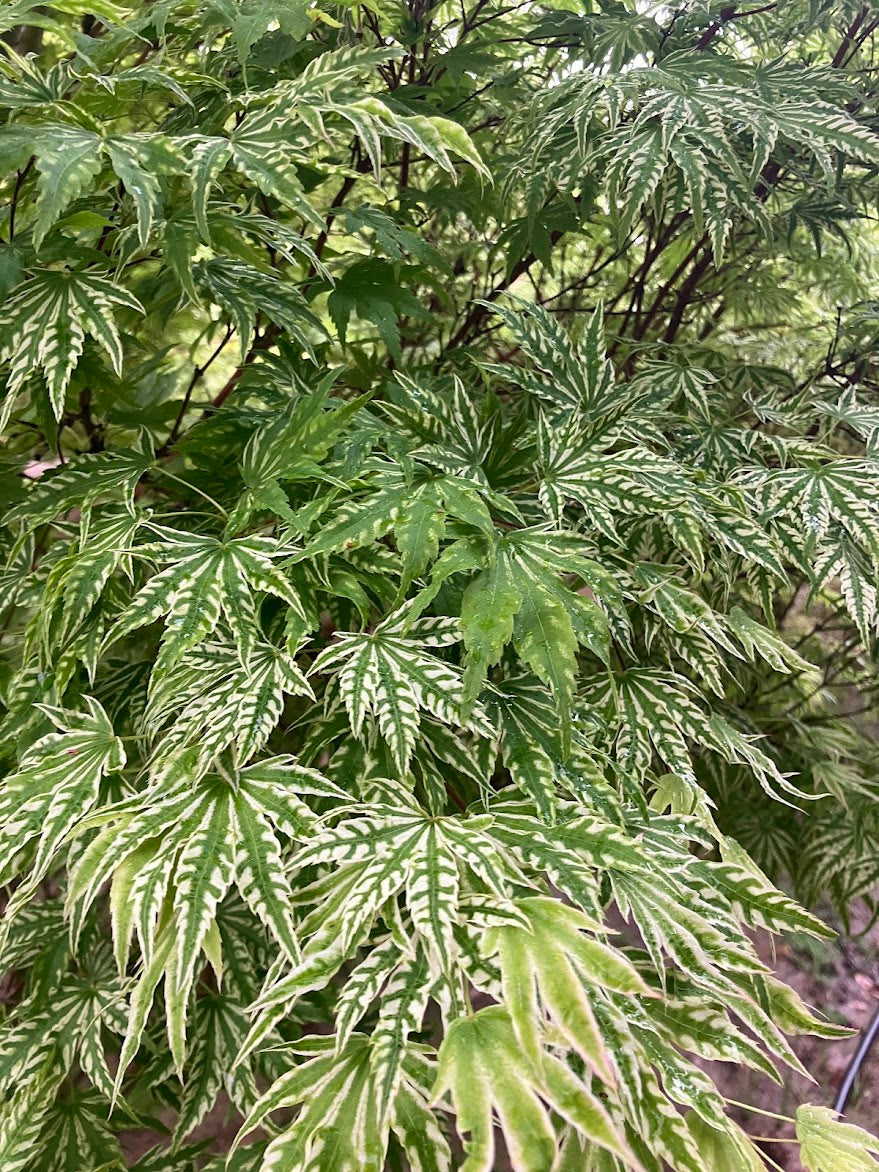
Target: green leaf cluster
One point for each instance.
(440, 551)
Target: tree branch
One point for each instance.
(197, 375)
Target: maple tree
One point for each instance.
(440, 507)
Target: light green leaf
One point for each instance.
(828, 1145)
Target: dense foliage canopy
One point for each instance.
(441, 541)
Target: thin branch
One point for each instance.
(197, 375)
(13, 205)
(848, 39)
(727, 16)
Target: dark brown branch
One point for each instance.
(197, 375)
(685, 294)
(13, 205)
(727, 16)
(321, 242)
(93, 431)
(477, 313)
(848, 39)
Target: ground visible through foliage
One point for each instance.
(841, 979)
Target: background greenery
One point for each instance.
(439, 476)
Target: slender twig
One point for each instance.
(727, 16)
(13, 205)
(760, 1111)
(477, 313)
(197, 375)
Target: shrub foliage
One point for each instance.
(441, 521)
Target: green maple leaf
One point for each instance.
(482, 1065)
(518, 597)
(828, 1145)
(377, 292)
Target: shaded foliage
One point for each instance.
(440, 505)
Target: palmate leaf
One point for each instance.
(832, 528)
(826, 1144)
(610, 487)
(552, 959)
(218, 1031)
(65, 1020)
(69, 158)
(239, 821)
(243, 291)
(326, 89)
(257, 152)
(482, 1065)
(518, 597)
(840, 491)
(291, 445)
(259, 146)
(112, 475)
(392, 850)
(339, 1124)
(46, 1037)
(81, 1136)
(851, 412)
(75, 583)
(451, 429)
(578, 378)
(24, 1116)
(414, 512)
(176, 853)
(604, 485)
(386, 675)
(689, 128)
(659, 712)
(45, 324)
(214, 698)
(374, 291)
(206, 577)
(56, 784)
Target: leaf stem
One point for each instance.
(761, 1111)
(194, 487)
